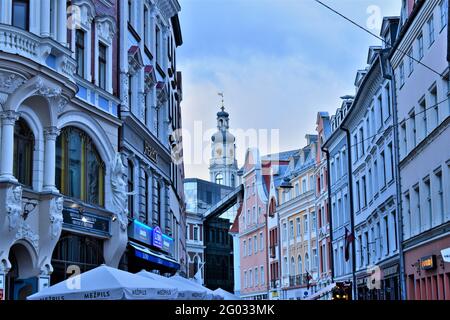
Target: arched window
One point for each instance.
(292, 271)
(23, 152)
(286, 271)
(299, 262)
(306, 262)
(130, 181)
(219, 178)
(80, 172)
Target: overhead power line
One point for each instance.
(376, 36)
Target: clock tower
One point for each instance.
(223, 165)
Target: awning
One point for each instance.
(321, 292)
(152, 256)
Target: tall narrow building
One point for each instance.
(223, 165)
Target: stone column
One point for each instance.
(62, 22)
(45, 18)
(50, 135)
(8, 119)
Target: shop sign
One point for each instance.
(85, 221)
(446, 254)
(157, 237)
(390, 271)
(428, 262)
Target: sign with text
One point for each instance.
(157, 237)
(150, 152)
(446, 254)
(428, 262)
(85, 221)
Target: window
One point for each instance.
(20, 14)
(394, 221)
(307, 268)
(443, 6)
(147, 197)
(304, 186)
(387, 91)
(256, 276)
(412, 125)
(427, 185)
(402, 74)
(291, 229)
(284, 231)
(80, 172)
(386, 235)
(245, 279)
(157, 43)
(306, 224)
(358, 197)
(361, 138)
(195, 233)
(245, 248)
(261, 241)
(313, 221)
(263, 280)
(130, 177)
(254, 215)
(79, 52)
(361, 256)
(355, 146)
(292, 271)
(251, 278)
(430, 25)
(411, 60)
(367, 246)
(364, 191)
(375, 175)
(435, 107)
(219, 178)
(315, 258)
(383, 172)
(417, 214)
(23, 153)
(102, 66)
(254, 188)
(159, 203)
(423, 116)
(145, 26)
(297, 221)
(233, 180)
(255, 243)
(391, 161)
(420, 42)
(297, 190)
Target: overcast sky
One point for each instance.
(278, 63)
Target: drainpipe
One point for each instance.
(352, 209)
(399, 216)
(327, 152)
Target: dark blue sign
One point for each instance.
(157, 237)
(86, 221)
(156, 260)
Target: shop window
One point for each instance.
(23, 153)
(80, 172)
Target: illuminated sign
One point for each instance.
(157, 237)
(428, 263)
(446, 254)
(85, 221)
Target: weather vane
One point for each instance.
(223, 106)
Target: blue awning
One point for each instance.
(154, 257)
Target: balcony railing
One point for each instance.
(44, 51)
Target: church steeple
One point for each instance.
(223, 164)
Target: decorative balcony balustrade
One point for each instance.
(44, 51)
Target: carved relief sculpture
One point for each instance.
(14, 206)
(56, 217)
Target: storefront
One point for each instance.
(80, 246)
(379, 283)
(150, 249)
(428, 271)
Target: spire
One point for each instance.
(223, 104)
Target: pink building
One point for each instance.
(253, 230)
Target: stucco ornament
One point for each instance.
(14, 206)
(119, 190)
(56, 217)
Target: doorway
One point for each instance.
(20, 280)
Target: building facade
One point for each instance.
(424, 131)
(338, 213)
(60, 169)
(298, 224)
(253, 230)
(323, 129)
(150, 99)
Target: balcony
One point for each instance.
(44, 51)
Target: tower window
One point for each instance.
(219, 178)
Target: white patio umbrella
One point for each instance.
(186, 290)
(106, 283)
(209, 293)
(225, 294)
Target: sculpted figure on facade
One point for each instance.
(56, 217)
(119, 190)
(14, 206)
